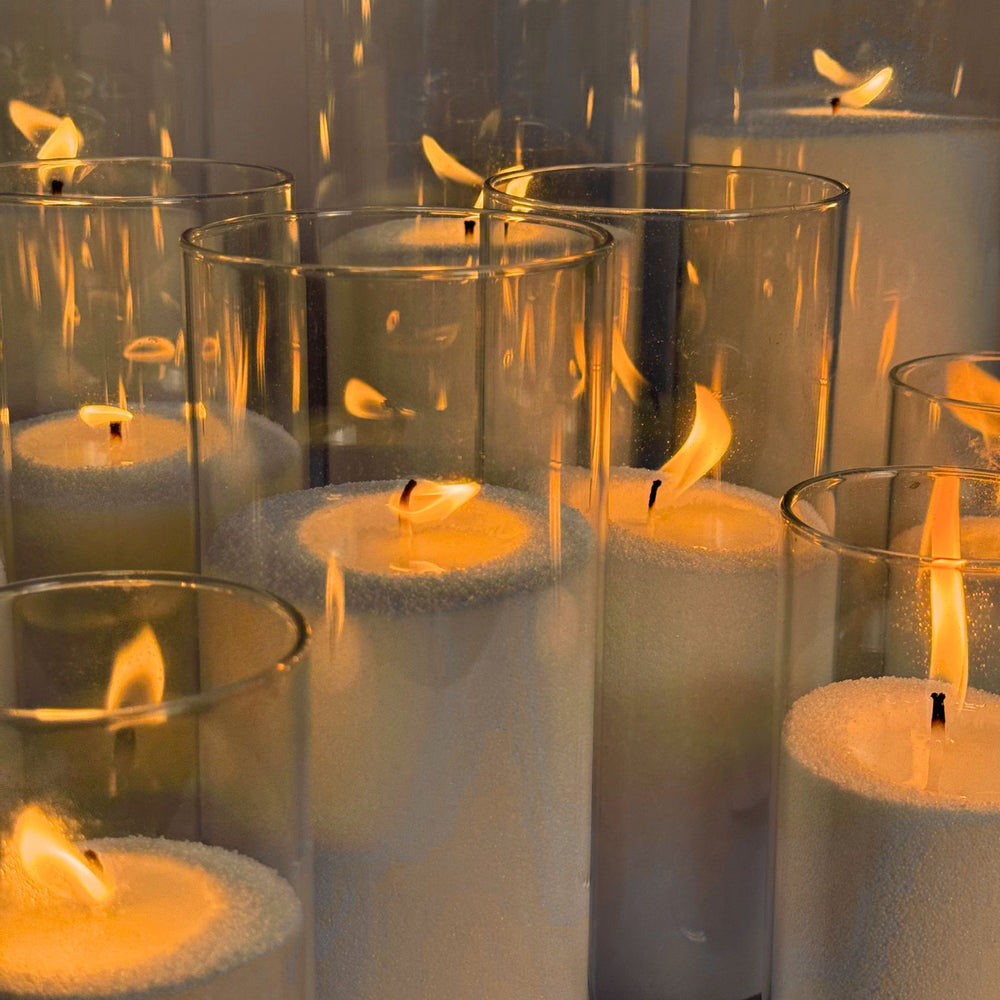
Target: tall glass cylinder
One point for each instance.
(888, 787)
(903, 104)
(439, 380)
(97, 472)
(416, 103)
(946, 411)
(130, 77)
(152, 810)
(725, 327)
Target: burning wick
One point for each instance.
(56, 187)
(470, 228)
(937, 712)
(115, 430)
(405, 524)
(404, 497)
(834, 104)
(653, 490)
(95, 862)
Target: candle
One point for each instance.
(136, 915)
(452, 708)
(104, 487)
(921, 242)
(887, 887)
(683, 776)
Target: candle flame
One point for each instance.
(366, 403)
(53, 863)
(431, 503)
(99, 415)
(949, 659)
(857, 92)
(138, 675)
(54, 136)
(708, 440)
(445, 166)
(966, 382)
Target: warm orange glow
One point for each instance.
(966, 382)
(708, 440)
(366, 403)
(98, 415)
(53, 863)
(633, 381)
(445, 166)
(151, 350)
(336, 601)
(138, 676)
(949, 629)
(431, 503)
(54, 136)
(827, 66)
(887, 346)
(63, 144)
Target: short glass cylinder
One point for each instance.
(416, 103)
(888, 785)
(895, 101)
(438, 378)
(131, 78)
(946, 411)
(152, 812)
(97, 469)
(725, 299)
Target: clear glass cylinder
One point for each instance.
(416, 103)
(946, 411)
(902, 103)
(97, 471)
(132, 77)
(438, 379)
(725, 299)
(152, 810)
(887, 793)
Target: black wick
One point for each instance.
(404, 497)
(56, 186)
(834, 104)
(937, 712)
(115, 428)
(653, 490)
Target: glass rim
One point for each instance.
(799, 494)
(838, 190)
(602, 243)
(188, 704)
(277, 178)
(898, 378)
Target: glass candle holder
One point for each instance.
(152, 810)
(417, 103)
(896, 103)
(445, 373)
(132, 78)
(725, 320)
(887, 790)
(97, 472)
(946, 411)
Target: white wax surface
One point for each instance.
(886, 889)
(683, 756)
(923, 230)
(188, 920)
(452, 725)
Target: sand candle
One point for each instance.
(921, 242)
(133, 916)
(452, 706)
(108, 488)
(684, 746)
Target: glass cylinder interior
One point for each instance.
(416, 103)
(725, 317)
(903, 105)
(96, 453)
(131, 77)
(418, 398)
(946, 411)
(888, 785)
(157, 724)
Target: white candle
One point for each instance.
(197, 922)
(452, 736)
(100, 496)
(684, 751)
(887, 888)
(922, 247)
